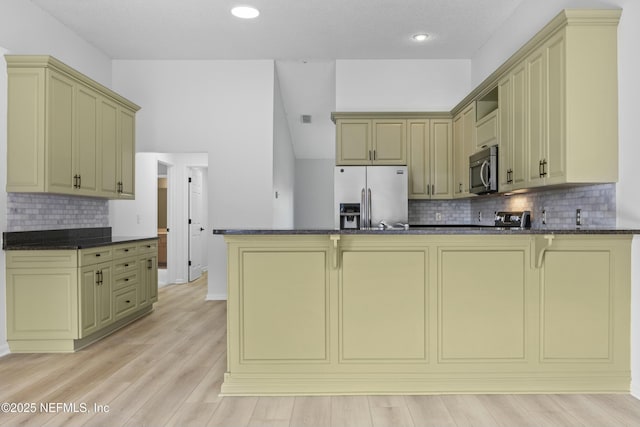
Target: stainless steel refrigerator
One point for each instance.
(366, 195)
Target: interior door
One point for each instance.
(195, 224)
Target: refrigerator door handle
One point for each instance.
(363, 208)
(369, 209)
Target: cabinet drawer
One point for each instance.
(124, 266)
(125, 302)
(125, 280)
(95, 255)
(487, 130)
(148, 246)
(121, 251)
(41, 259)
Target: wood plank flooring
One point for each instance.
(166, 370)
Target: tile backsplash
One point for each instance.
(597, 204)
(35, 211)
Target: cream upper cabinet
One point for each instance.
(573, 104)
(512, 130)
(389, 142)
(371, 141)
(464, 144)
(430, 158)
(57, 123)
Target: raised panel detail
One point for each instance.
(283, 306)
(481, 305)
(383, 306)
(576, 305)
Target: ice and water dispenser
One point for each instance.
(349, 216)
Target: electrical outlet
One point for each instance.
(438, 216)
(578, 217)
(544, 217)
(479, 216)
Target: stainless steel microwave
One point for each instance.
(483, 171)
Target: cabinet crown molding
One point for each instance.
(48, 61)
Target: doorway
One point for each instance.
(197, 213)
(163, 220)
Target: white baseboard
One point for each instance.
(216, 297)
(4, 349)
(635, 390)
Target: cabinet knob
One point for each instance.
(128, 301)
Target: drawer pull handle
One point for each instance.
(126, 250)
(97, 255)
(126, 265)
(126, 280)
(128, 301)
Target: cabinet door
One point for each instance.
(60, 107)
(461, 165)
(108, 148)
(537, 137)
(153, 282)
(26, 130)
(487, 130)
(353, 142)
(418, 144)
(144, 273)
(519, 127)
(105, 298)
(127, 155)
(89, 284)
(505, 149)
(86, 142)
(441, 164)
(555, 161)
(389, 142)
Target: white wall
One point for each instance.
(26, 29)
(401, 85)
(283, 163)
(314, 194)
(223, 108)
(530, 16)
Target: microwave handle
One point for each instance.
(482, 168)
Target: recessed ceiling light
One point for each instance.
(420, 37)
(245, 12)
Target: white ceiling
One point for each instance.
(286, 29)
(305, 37)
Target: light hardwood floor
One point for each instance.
(166, 370)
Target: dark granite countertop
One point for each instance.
(74, 238)
(430, 230)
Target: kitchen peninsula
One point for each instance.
(433, 310)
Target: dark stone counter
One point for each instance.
(430, 230)
(72, 238)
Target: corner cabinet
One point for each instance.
(67, 134)
(63, 300)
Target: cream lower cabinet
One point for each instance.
(361, 314)
(63, 300)
(67, 134)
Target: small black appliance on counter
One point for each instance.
(513, 219)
